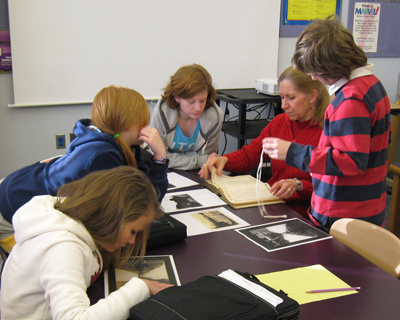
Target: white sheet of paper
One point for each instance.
(209, 220)
(176, 181)
(190, 200)
(258, 290)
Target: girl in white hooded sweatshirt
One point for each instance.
(63, 243)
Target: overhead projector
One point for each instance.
(267, 86)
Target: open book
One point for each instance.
(240, 191)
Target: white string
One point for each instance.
(261, 207)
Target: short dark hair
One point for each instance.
(328, 49)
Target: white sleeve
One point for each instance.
(63, 279)
(213, 142)
(189, 160)
(156, 121)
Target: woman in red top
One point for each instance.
(304, 102)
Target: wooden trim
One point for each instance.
(394, 213)
(395, 168)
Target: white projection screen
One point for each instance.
(65, 51)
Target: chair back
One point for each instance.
(394, 212)
(374, 243)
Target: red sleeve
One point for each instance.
(248, 157)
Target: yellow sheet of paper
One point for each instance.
(310, 9)
(295, 282)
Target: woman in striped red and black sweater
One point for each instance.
(349, 166)
(304, 101)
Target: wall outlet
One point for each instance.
(60, 141)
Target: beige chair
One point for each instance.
(374, 243)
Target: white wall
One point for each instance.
(28, 134)
(127, 43)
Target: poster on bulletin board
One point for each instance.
(366, 25)
(5, 51)
(375, 26)
(5, 45)
(297, 14)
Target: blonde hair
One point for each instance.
(305, 84)
(104, 201)
(186, 83)
(116, 109)
(328, 49)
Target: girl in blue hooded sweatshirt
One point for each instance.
(111, 138)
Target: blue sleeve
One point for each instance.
(104, 161)
(157, 173)
(299, 156)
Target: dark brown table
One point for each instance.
(212, 253)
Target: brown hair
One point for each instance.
(328, 49)
(104, 201)
(186, 83)
(116, 109)
(305, 84)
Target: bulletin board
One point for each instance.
(4, 24)
(297, 14)
(64, 52)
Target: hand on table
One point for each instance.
(155, 286)
(284, 188)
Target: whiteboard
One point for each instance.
(65, 51)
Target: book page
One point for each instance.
(240, 189)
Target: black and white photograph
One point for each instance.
(214, 219)
(184, 201)
(209, 220)
(283, 234)
(191, 199)
(171, 186)
(160, 268)
(177, 181)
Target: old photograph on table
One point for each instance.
(160, 268)
(191, 199)
(209, 220)
(283, 234)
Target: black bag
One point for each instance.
(212, 298)
(164, 231)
